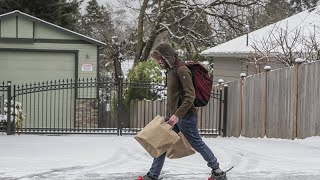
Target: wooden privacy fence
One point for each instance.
(278, 104)
(141, 112)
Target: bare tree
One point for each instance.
(300, 5)
(180, 20)
(282, 47)
(107, 24)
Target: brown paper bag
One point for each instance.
(156, 137)
(180, 148)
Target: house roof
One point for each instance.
(59, 28)
(307, 22)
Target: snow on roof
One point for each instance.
(307, 22)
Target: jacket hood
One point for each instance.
(167, 52)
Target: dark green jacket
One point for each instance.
(180, 93)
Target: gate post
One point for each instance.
(119, 108)
(221, 81)
(9, 108)
(225, 109)
(14, 109)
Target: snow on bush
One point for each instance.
(16, 110)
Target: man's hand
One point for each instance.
(173, 120)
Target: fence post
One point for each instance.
(225, 109)
(242, 76)
(9, 108)
(119, 105)
(14, 108)
(267, 69)
(298, 61)
(220, 103)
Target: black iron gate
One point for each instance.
(5, 109)
(96, 106)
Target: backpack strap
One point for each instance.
(178, 64)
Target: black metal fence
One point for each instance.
(67, 106)
(95, 106)
(6, 119)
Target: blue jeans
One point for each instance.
(189, 127)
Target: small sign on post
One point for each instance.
(86, 67)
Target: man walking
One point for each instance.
(181, 111)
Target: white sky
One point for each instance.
(116, 4)
(106, 157)
(102, 2)
(130, 15)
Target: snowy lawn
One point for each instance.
(71, 157)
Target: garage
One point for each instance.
(36, 66)
(34, 56)
(33, 50)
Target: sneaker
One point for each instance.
(147, 177)
(218, 174)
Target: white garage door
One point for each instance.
(25, 67)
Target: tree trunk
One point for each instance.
(118, 70)
(189, 51)
(154, 33)
(140, 44)
(148, 46)
(116, 61)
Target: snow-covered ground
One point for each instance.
(97, 157)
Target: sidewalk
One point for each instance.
(95, 157)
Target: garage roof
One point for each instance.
(59, 28)
(307, 22)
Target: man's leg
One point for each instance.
(157, 165)
(188, 126)
(158, 162)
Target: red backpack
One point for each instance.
(201, 81)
